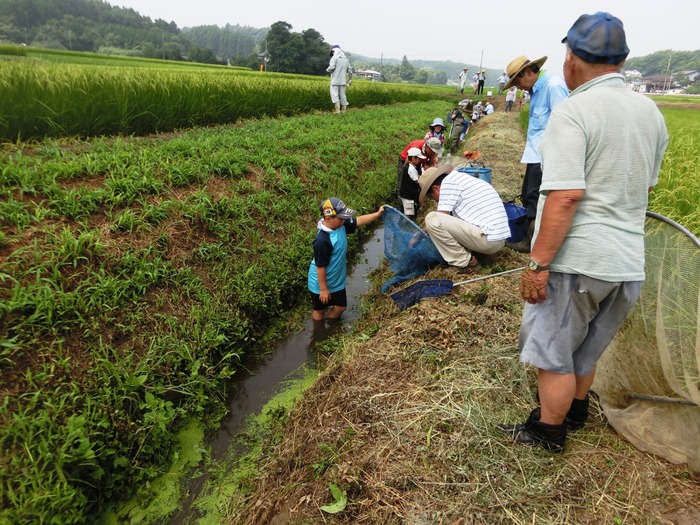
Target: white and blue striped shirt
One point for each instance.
(476, 202)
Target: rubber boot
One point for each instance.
(337, 107)
(550, 437)
(524, 245)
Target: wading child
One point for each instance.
(328, 268)
(409, 191)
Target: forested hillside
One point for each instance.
(665, 62)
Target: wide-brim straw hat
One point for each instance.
(426, 180)
(518, 65)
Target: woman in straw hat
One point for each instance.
(546, 91)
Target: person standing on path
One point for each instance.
(601, 155)
(463, 79)
(481, 79)
(341, 77)
(502, 82)
(510, 98)
(546, 92)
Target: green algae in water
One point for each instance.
(163, 495)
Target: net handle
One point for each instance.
(685, 231)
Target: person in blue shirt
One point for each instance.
(328, 268)
(546, 91)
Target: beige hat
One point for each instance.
(519, 65)
(426, 180)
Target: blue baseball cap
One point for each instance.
(334, 207)
(598, 38)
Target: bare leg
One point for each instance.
(336, 312)
(556, 394)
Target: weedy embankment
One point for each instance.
(137, 274)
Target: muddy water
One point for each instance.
(284, 363)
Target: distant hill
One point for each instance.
(665, 62)
(450, 68)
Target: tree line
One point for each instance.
(98, 27)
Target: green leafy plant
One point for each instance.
(340, 500)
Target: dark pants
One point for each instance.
(480, 88)
(530, 192)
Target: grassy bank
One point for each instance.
(137, 274)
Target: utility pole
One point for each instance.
(668, 78)
(482, 60)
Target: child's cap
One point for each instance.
(438, 122)
(416, 152)
(334, 207)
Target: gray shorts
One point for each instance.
(570, 330)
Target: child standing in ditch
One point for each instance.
(328, 268)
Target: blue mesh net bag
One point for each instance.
(408, 249)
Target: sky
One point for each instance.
(481, 33)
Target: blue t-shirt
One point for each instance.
(548, 91)
(330, 251)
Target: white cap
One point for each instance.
(415, 152)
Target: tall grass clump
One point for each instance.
(56, 99)
(12, 50)
(677, 194)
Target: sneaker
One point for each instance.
(532, 432)
(462, 270)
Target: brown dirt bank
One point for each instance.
(403, 419)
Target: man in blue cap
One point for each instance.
(601, 155)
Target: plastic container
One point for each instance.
(480, 173)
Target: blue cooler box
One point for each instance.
(479, 173)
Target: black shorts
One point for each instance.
(339, 298)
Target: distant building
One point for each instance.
(369, 74)
(692, 75)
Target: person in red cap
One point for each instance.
(328, 268)
(601, 155)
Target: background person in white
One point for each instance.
(601, 155)
(341, 77)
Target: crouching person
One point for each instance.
(470, 217)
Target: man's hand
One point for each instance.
(533, 286)
(324, 296)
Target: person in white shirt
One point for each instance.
(502, 82)
(470, 217)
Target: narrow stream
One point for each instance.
(283, 364)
